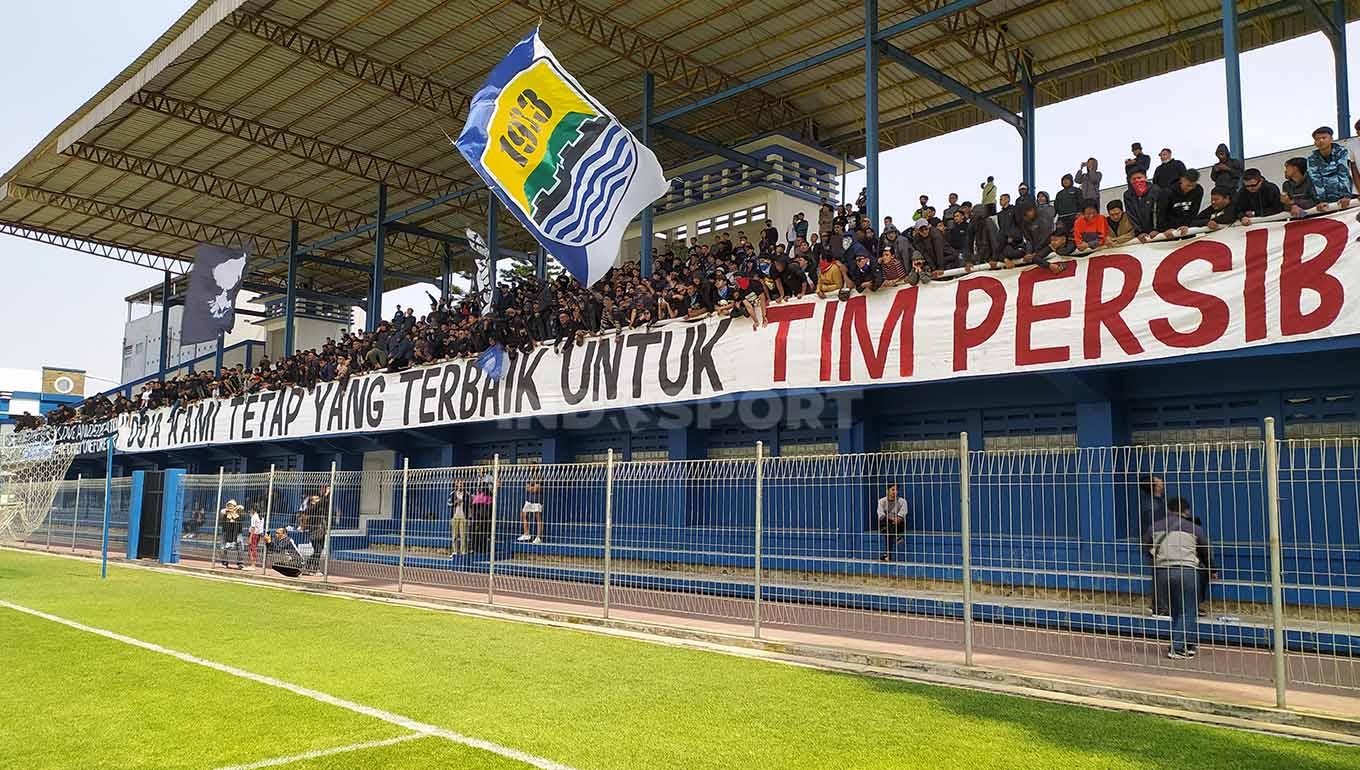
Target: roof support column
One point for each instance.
(445, 269)
(217, 359)
(1028, 137)
(164, 362)
(648, 105)
(1343, 94)
(373, 313)
(492, 202)
(290, 298)
(1233, 69)
(541, 263)
(871, 112)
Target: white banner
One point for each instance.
(1240, 288)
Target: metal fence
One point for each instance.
(1024, 554)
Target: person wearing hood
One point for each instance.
(1297, 191)
(1220, 211)
(1182, 203)
(1020, 236)
(1143, 204)
(1088, 178)
(897, 243)
(1044, 218)
(1138, 162)
(1227, 172)
(931, 246)
(1329, 168)
(984, 239)
(1023, 194)
(1168, 171)
(1067, 204)
(1257, 198)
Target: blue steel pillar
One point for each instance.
(218, 358)
(290, 299)
(165, 326)
(445, 270)
(1028, 137)
(492, 240)
(1233, 69)
(541, 263)
(1343, 86)
(374, 312)
(648, 99)
(870, 111)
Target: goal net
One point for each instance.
(32, 466)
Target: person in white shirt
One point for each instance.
(256, 533)
(892, 520)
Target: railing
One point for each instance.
(1031, 554)
(251, 349)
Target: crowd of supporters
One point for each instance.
(842, 254)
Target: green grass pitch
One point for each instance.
(72, 699)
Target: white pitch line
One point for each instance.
(276, 761)
(306, 692)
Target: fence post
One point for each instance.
(401, 530)
(330, 522)
(1276, 566)
(760, 505)
(966, 541)
(608, 523)
(268, 510)
(75, 517)
(495, 492)
(217, 520)
(108, 494)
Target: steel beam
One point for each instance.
(358, 267)
(290, 298)
(648, 103)
(425, 92)
(1342, 67)
(1028, 136)
(871, 111)
(445, 269)
(707, 147)
(854, 46)
(1233, 70)
(348, 160)
(118, 252)
(541, 263)
(968, 95)
(492, 242)
(374, 312)
(164, 362)
(280, 204)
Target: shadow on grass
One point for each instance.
(1145, 740)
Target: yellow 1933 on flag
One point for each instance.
(569, 170)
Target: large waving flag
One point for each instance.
(569, 170)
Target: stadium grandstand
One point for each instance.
(756, 424)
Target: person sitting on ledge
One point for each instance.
(892, 520)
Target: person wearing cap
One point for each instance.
(1090, 231)
(1329, 168)
(864, 274)
(1138, 162)
(1257, 198)
(932, 248)
(1183, 203)
(1220, 211)
(1297, 191)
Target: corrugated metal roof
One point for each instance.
(248, 113)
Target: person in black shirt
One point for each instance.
(1257, 198)
(1168, 171)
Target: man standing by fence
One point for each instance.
(1179, 549)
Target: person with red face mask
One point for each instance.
(1143, 203)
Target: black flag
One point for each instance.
(210, 306)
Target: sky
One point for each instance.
(64, 308)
